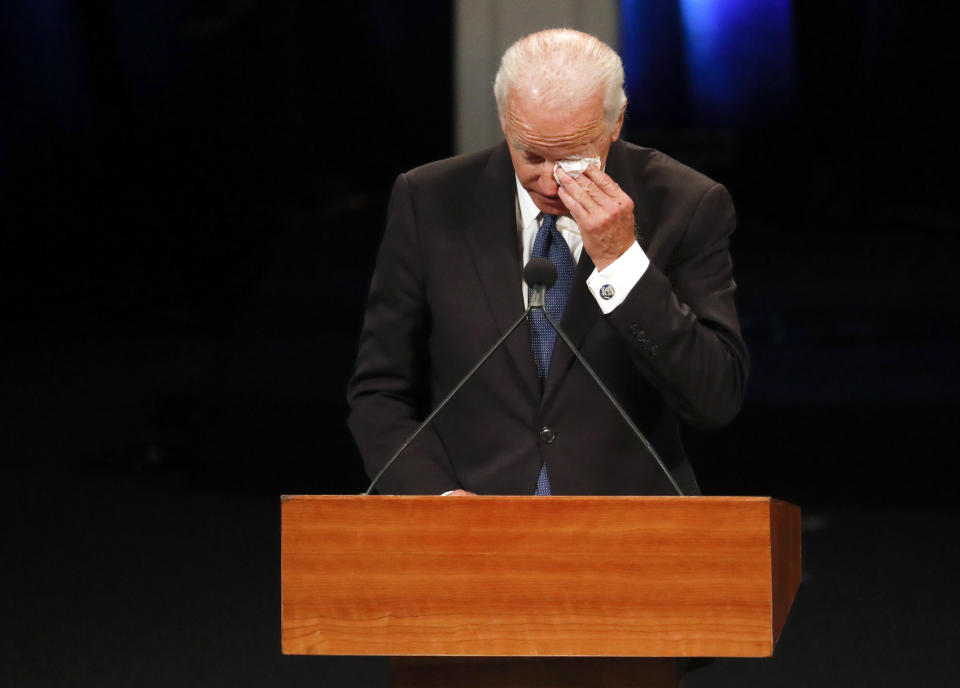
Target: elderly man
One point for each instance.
(645, 289)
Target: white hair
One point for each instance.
(565, 66)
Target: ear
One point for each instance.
(615, 134)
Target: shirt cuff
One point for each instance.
(611, 286)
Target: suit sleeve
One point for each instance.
(389, 391)
(681, 322)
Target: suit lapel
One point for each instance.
(494, 243)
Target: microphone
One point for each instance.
(540, 274)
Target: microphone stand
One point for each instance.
(613, 400)
(536, 301)
(452, 392)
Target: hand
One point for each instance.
(460, 493)
(602, 210)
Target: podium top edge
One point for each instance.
(650, 498)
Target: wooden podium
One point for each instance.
(450, 580)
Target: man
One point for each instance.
(645, 290)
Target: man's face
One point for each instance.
(539, 136)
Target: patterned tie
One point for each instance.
(549, 244)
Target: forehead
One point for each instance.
(531, 123)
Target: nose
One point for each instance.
(548, 185)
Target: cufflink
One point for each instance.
(606, 292)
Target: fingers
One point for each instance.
(577, 210)
(577, 198)
(602, 211)
(581, 192)
(592, 189)
(603, 181)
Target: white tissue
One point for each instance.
(575, 167)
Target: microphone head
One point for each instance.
(540, 272)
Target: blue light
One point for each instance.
(651, 46)
(707, 63)
(45, 84)
(740, 59)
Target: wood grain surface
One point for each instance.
(529, 576)
(785, 537)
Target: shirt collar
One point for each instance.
(528, 209)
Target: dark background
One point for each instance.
(192, 195)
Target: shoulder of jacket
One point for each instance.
(657, 165)
(454, 167)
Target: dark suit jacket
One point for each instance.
(448, 282)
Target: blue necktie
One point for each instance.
(549, 244)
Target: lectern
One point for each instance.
(537, 591)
